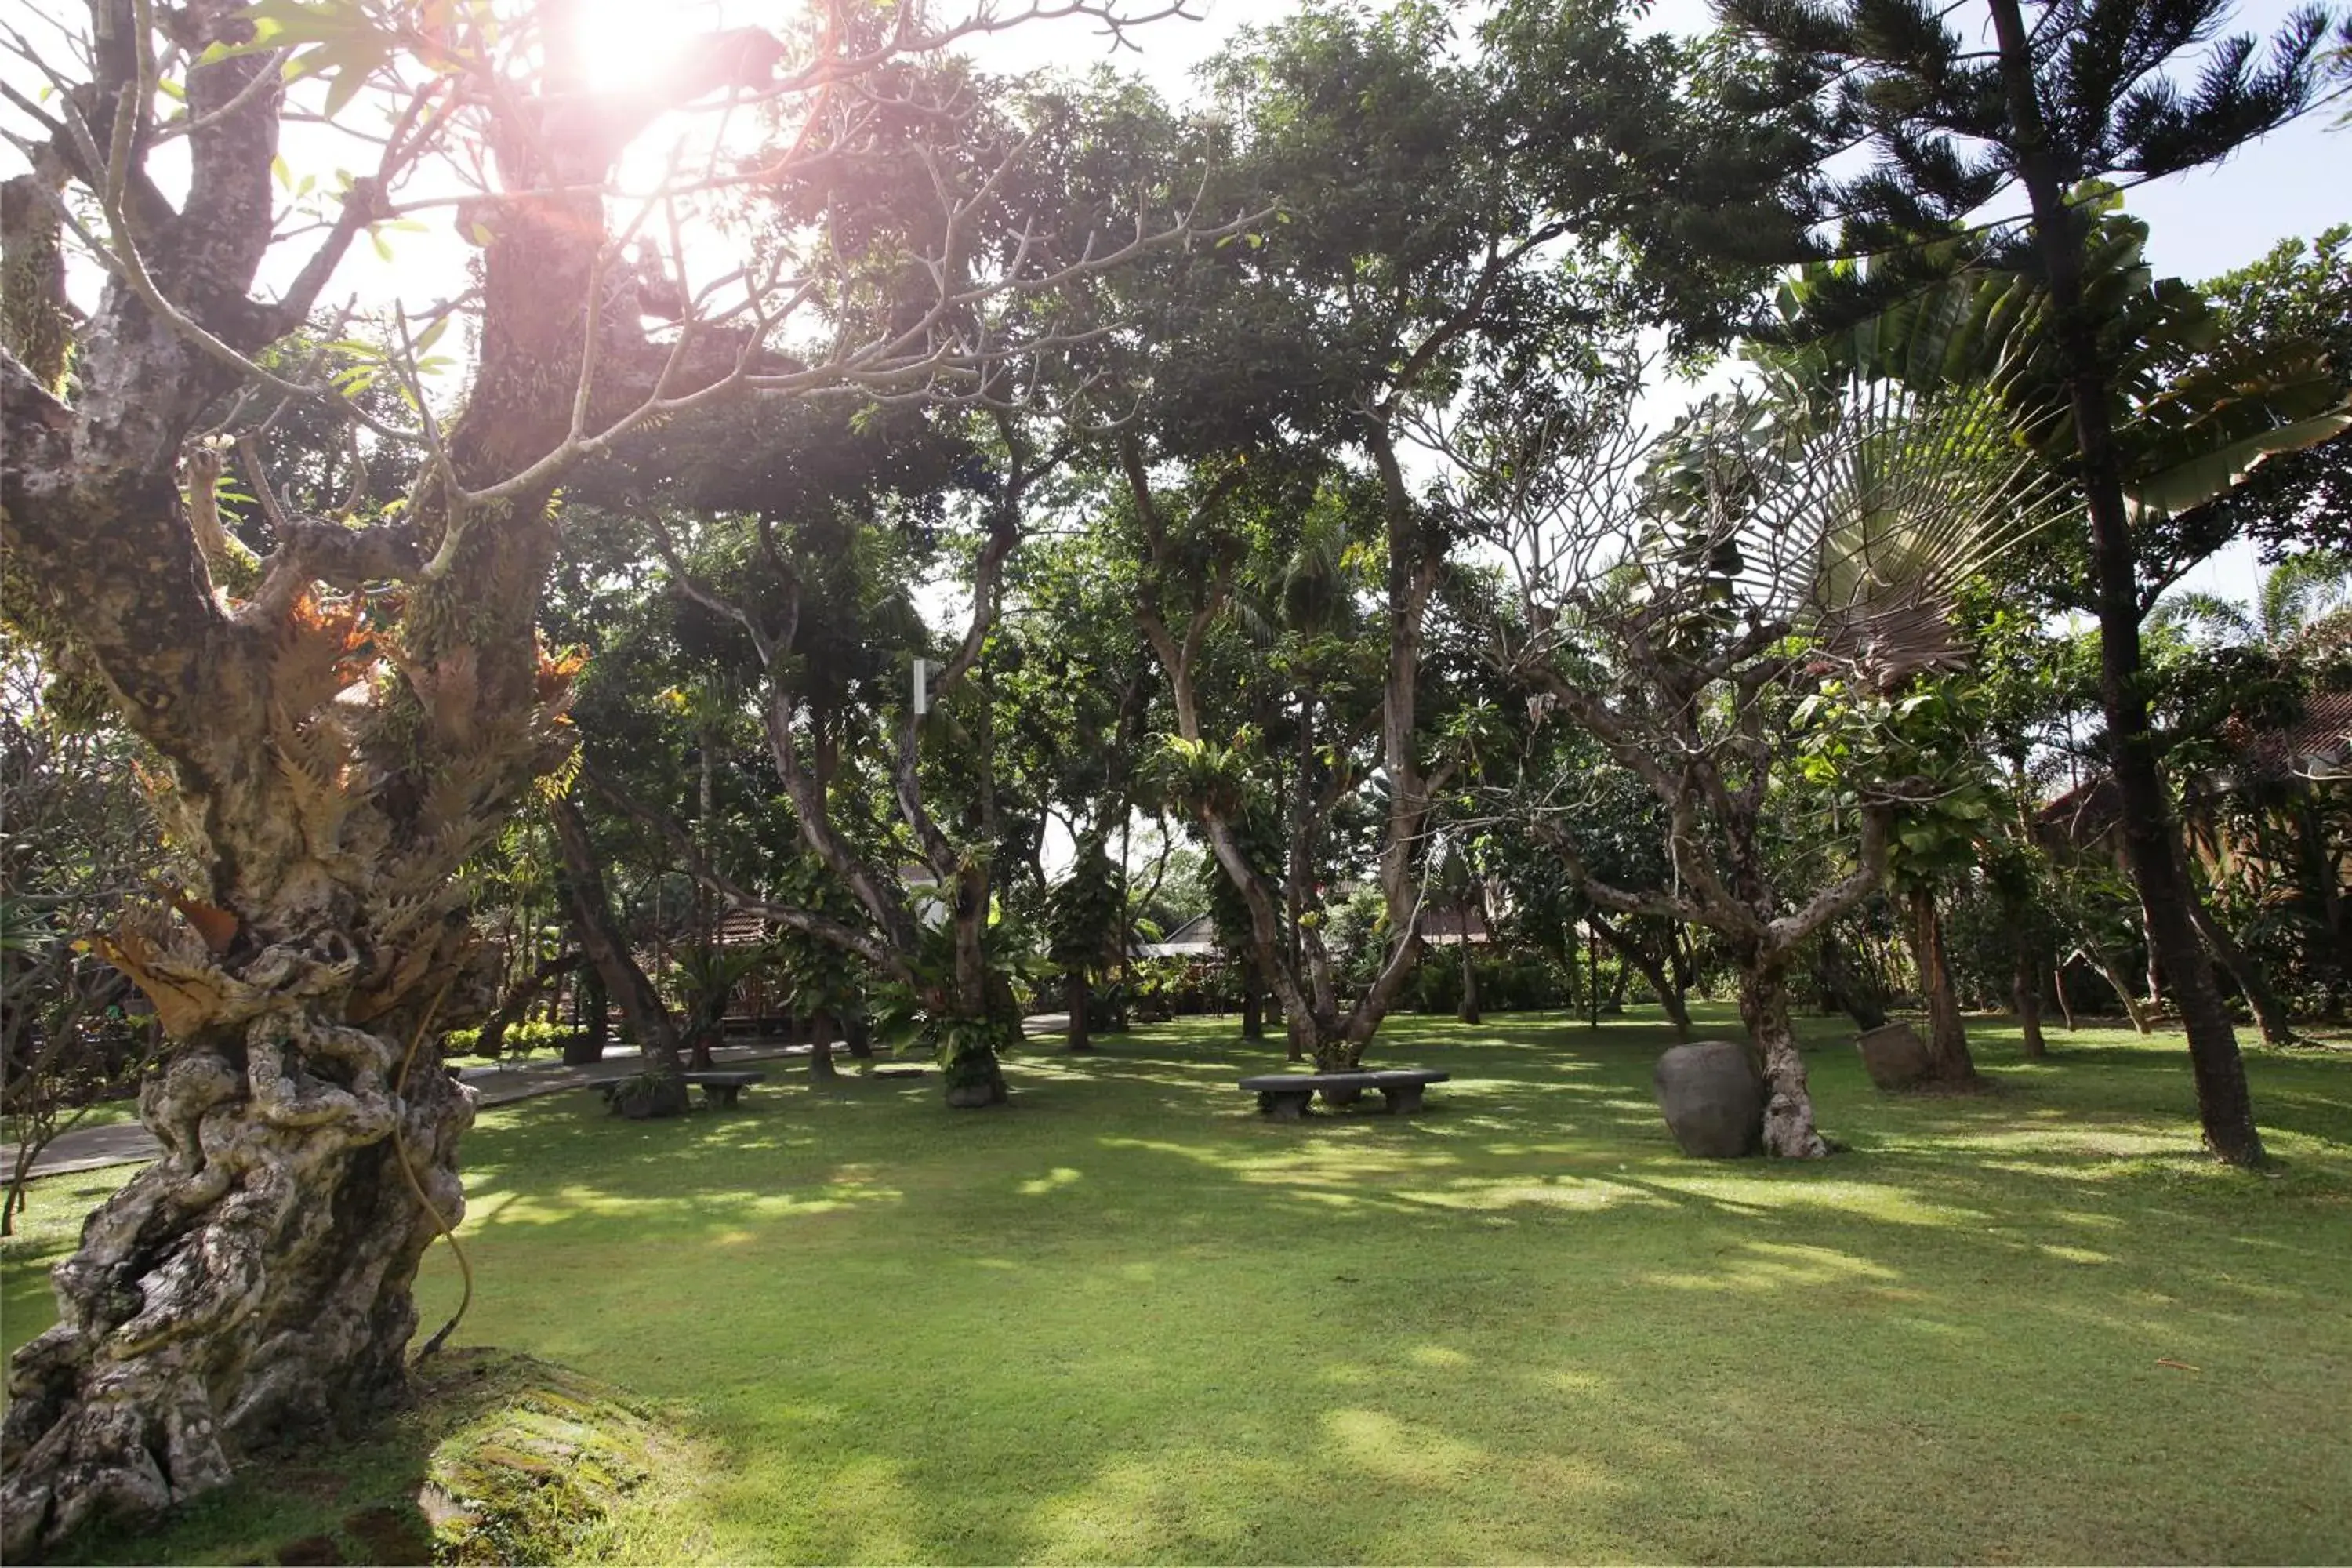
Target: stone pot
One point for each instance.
(1893, 1055)
(1712, 1092)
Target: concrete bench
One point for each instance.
(723, 1087)
(718, 1088)
(1285, 1095)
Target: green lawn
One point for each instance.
(1129, 1319)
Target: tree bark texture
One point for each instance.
(257, 1279)
(1948, 1061)
(2025, 993)
(1789, 1130)
(819, 1027)
(2269, 1013)
(2150, 838)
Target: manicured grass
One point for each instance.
(1129, 1319)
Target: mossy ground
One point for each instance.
(1129, 1319)
(495, 1459)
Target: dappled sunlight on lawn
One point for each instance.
(1310, 1162)
(1399, 1452)
(1129, 1319)
(1771, 1265)
(1471, 1192)
(1053, 1181)
(1184, 1504)
(1758, 1195)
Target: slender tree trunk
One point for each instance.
(820, 1031)
(2112, 973)
(1789, 1130)
(602, 939)
(1592, 978)
(1077, 996)
(1468, 1012)
(492, 1039)
(1854, 993)
(1680, 966)
(2322, 869)
(711, 1012)
(2025, 994)
(1948, 1061)
(2270, 1014)
(2224, 1103)
(1670, 995)
(1253, 1004)
(595, 1034)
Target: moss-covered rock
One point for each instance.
(537, 1470)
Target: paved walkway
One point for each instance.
(500, 1083)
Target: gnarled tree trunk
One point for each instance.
(257, 1279)
(1789, 1130)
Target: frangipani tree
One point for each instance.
(1702, 604)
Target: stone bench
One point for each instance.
(1285, 1095)
(718, 1088)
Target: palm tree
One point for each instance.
(2293, 597)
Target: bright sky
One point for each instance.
(2295, 184)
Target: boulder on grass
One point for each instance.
(1712, 1093)
(1893, 1055)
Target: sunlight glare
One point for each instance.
(622, 42)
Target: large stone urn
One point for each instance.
(1893, 1055)
(1712, 1092)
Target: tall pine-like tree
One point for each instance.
(1966, 104)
